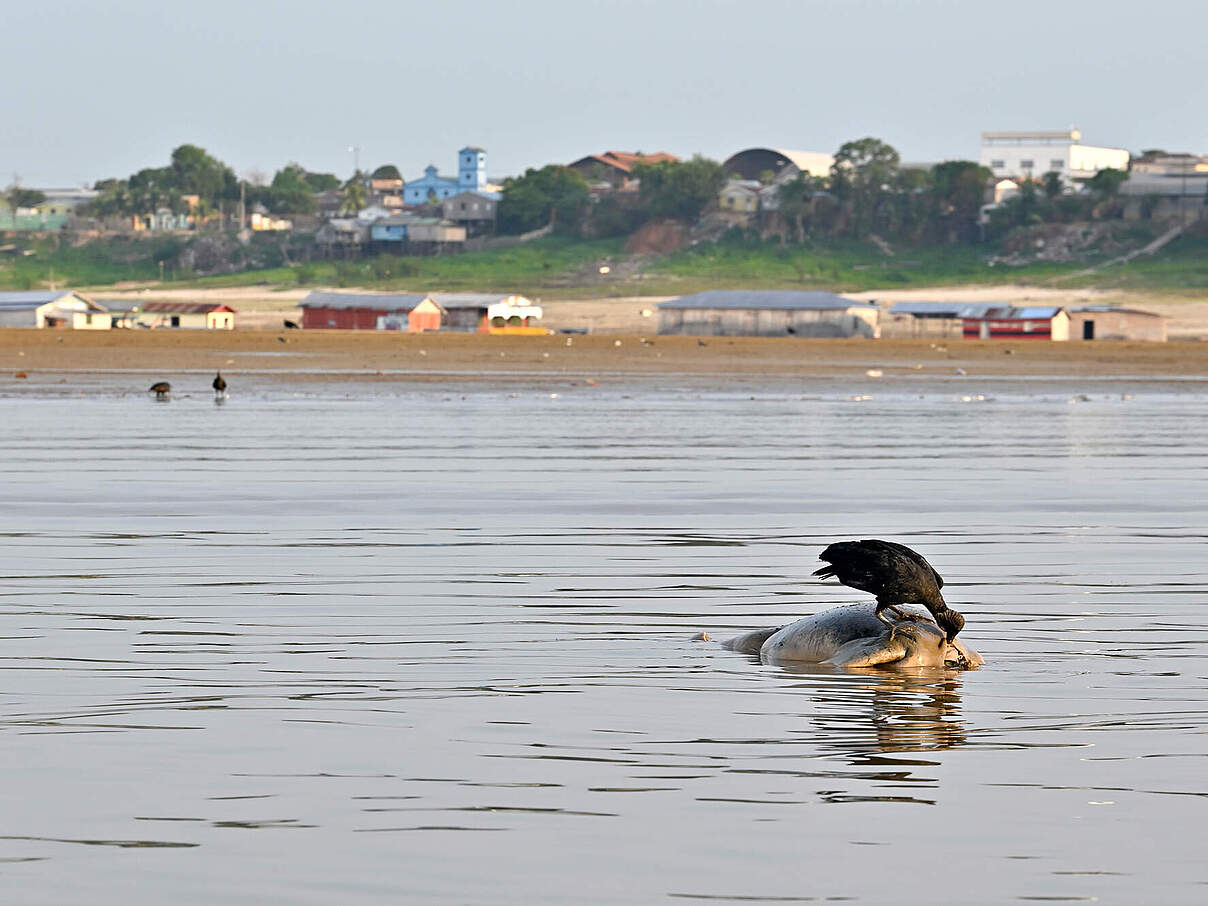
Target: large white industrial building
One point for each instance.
(1032, 154)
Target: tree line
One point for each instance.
(192, 171)
(867, 191)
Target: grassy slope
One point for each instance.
(569, 266)
(102, 261)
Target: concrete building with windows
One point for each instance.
(473, 210)
(1032, 154)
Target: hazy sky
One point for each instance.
(100, 89)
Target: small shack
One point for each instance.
(371, 311)
(931, 319)
(489, 313)
(1103, 322)
(768, 313)
(53, 308)
(185, 315)
(1047, 323)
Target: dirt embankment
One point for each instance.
(436, 356)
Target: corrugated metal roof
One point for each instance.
(1009, 313)
(30, 299)
(942, 309)
(780, 300)
(184, 308)
(27, 299)
(378, 301)
(1111, 309)
(475, 300)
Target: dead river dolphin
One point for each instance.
(856, 636)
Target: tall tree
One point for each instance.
(863, 172)
(1106, 183)
(290, 193)
(194, 172)
(795, 200)
(680, 189)
(322, 182)
(958, 190)
(21, 197)
(552, 195)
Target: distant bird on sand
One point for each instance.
(219, 384)
(161, 389)
(895, 574)
(701, 343)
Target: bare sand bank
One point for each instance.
(405, 356)
(266, 307)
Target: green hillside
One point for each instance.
(559, 264)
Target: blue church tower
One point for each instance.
(471, 169)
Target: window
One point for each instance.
(1027, 164)
(1056, 164)
(997, 165)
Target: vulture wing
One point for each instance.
(884, 568)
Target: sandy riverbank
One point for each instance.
(266, 307)
(431, 356)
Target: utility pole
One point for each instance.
(356, 158)
(242, 205)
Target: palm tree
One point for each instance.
(355, 195)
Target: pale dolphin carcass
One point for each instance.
(854, 636)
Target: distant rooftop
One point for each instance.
(1067, 135)
(23, 300)
(780, 300)
(380, 301)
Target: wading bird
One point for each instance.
(895, 574)
(161, 389)
(219, 384)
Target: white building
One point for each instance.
(52, 308)
(1032, 154)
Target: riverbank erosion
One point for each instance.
(433, 356)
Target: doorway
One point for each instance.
(1088, 330)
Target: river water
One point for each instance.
(349, 642)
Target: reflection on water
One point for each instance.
(346, 643)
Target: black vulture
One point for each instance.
(895, 574)
(219, 384)
(161, 389)
(291, 325)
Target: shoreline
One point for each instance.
(467, 357)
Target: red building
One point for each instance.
(371, 311)
(1018, 324)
